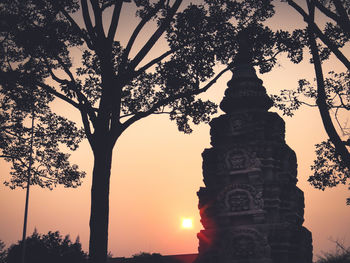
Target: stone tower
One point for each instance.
(251, 209)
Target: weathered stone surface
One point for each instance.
(251, 209)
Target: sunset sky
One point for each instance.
(157, 171)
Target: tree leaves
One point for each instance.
(18, 105)
(328, 168)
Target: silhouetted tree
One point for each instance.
(48, 248)
(147, 258)
(331, 95)
(143, 257)
(116, 85)
(3, 252)
(341, 255)
(50, 165)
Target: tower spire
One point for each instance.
(245, 90)
(244, 55)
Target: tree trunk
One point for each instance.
(100, 203)
(332, 133)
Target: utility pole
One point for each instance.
(27, 189)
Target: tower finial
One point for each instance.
(245, 90)
(244, 55)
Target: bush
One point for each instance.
(341, 255)
(143, 257)
(3, 252)
(48, 248)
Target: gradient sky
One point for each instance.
(157, 171)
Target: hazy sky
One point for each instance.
(157, 171)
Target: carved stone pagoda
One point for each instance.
(251, 209)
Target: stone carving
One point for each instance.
(238, 201)
(239, 121)
(250, 92)
(240, 197)
(239, 160)
(245, 243)
(236, 124)
(235, 160)
(243, 247)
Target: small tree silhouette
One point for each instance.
(341, 255)
(2, 252)
(48, 248)
(143, 257)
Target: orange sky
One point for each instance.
(156, 173)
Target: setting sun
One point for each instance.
(187, 223)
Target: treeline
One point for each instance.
(53, 248)
(50, 247)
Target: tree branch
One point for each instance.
(342, 12)
(319, 33)
(26, 79)
(326, 11)
(115, 20)
(65, 68)
(153, 62)
(57, 94)
(139, 27)
(170, 99)
(87, 21)
(74, 24)
(87, 128)
(156, 35)
(342, 19)
(98, 18)
(340, 147)
(84, 103)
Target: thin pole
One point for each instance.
(27, 192)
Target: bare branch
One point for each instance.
(86, 123)
(156, 35)
(55, 78)
(87, 20)
(98, 18)
(154, 61)
(139, 27)
(57, 94)
(115, 20)
(65, 68)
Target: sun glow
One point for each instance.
(187, 223)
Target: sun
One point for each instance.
(187, 223)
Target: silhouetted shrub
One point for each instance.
(3, 252)
(341, 255)
(152, 258)
(50, 248)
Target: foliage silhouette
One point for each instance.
(330, 94)
(50, 247)
(3, 252)
(341, 255)
(119, 84)
(151, 258)
(50, 165)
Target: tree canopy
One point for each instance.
(326, 34)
